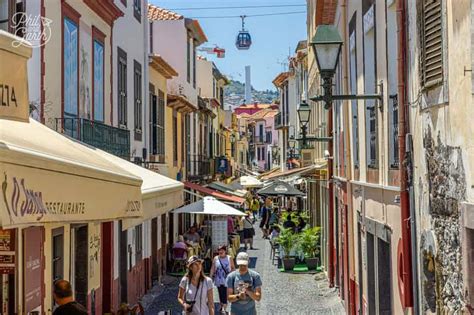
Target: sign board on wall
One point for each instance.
(33, 262)
(13, 79)
(7, 251)
(219, 231)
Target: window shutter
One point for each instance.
(431, 44)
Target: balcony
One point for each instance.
(99, 135)
(199, 168)
(280, 121)
(259, 139)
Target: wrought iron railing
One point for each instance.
(199, 167)
(108, 138)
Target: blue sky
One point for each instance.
(273, 37)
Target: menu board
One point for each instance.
(7, 251)
(219, 231)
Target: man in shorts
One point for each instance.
(244, 287)
(265, 222)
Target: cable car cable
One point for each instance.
(243, 7)
(251, 15)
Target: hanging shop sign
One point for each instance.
(223, 166)
(7, 251)
(13, 78)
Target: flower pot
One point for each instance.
(289, 264)
(312, 263)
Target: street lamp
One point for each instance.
(304, 112)
(232, 144)
(327, 44)
(292, 145)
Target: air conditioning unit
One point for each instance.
(307, 157)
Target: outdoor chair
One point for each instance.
(275, 251)
(179, 257)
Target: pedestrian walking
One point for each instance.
(264, 223)
(62, 294)
(243, 287)
(222, 266)
(255, 207)
(249, 231)
(196, 290)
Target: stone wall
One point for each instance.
(442, 279)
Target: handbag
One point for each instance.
(190, 304)
(252, 230)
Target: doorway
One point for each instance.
(384, 277)
(107, 264)
(80, 263)
(154, 250)
(359, 264)
(164, 247)
(371, 272)
(123, 258)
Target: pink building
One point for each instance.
(264, 138)
(253, 108)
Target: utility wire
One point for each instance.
(243, 7)
(251, 15)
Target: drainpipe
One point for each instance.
(331, 247)
(405, 258)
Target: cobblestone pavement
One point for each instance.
(282, 293)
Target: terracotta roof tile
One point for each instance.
(159, 14)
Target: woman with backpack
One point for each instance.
(196, 290)
(222, 265)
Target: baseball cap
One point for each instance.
(242, 259)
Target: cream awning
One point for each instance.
(160, 194)
(47, 177)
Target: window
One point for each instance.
(431, 43)
(242, 157)
(137, 92)
(122, 87)
(221, 96)
(98, 71)
(287, 106)
(394, 157)
(392, 85)
(194, 64)
(370, 76)
(137, 9)
(188, 60)
(260, 132)
(353, 87)
(175, 138)
(268, 137)
(70, 67)
(138, 243)
(161, 123)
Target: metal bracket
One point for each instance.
(329, 98)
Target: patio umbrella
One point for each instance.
(250, 182)
(280, 188)
(211, 206)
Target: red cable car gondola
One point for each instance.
(243, 40)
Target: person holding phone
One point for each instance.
(244, 287)
(195, 290)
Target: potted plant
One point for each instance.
(287, 240)
(309, 241)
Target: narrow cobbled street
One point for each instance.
(283, 293)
